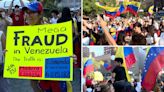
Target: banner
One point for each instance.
(39, 52)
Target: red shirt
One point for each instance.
(18, 20)
(54, 85)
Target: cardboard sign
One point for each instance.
(30, 50)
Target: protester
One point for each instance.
(34, 15)
(120, 80)
(5, 20)
(54, 16)
(78, 20)
(121, 30)
(17, 14)
(4, 85)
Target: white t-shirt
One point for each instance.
(85, 41)
(138, 88)
(53, 20)
(156, 38)
(89, 90)
(161, 41)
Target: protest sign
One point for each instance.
(39, 52)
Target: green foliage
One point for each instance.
(90, 9)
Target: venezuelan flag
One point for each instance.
(103, 6)
(112, 15)
(107, 66)
(111, 12)
(99, 4)
(150, 10)
(129, 56)
(132, 7)
(88, 67)
(120, 54)
(121, 10)
(154, 63)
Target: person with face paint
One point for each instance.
(17, 15)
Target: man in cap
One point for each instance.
(34, 16)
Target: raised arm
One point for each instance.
(10, 7)
(22, 4)
(109, 38)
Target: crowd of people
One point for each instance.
(32, 14)
(116, 81)
(122, 30)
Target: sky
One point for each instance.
(99, 50)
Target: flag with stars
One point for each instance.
(153, 65)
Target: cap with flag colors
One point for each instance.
(35, 6)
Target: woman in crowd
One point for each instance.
(127, 31)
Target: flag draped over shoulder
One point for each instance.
(120, 54)
(88, 67)
(129, 56)
(154, 63)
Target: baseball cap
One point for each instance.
(35, 6)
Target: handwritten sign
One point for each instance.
(33, 50)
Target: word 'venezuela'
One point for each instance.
(49, 40)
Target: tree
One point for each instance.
(90, 9)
